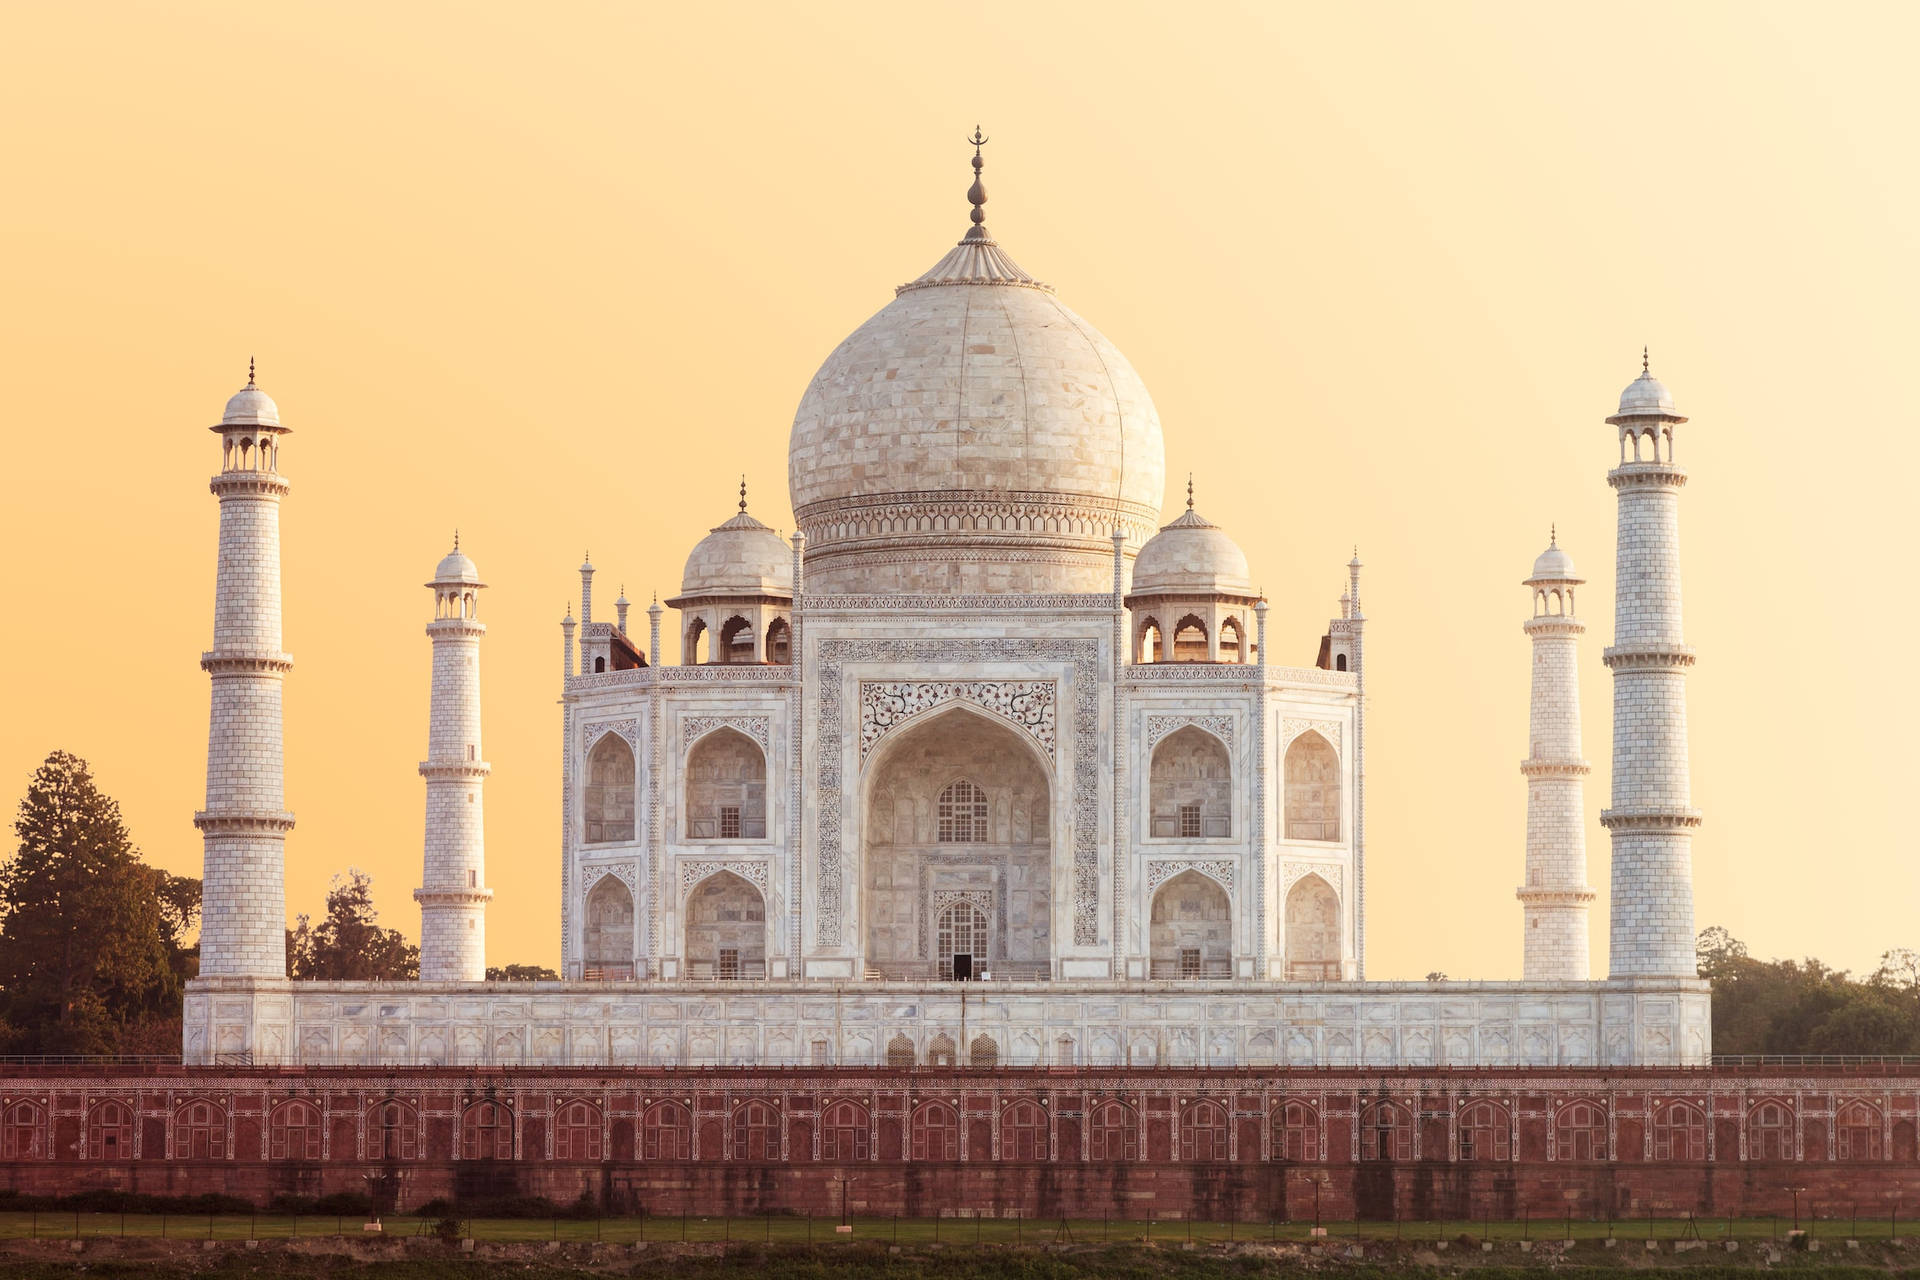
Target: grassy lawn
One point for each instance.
(785, 1230)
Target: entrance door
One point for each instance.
(962, 967)
(963, 937)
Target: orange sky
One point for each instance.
(556, 274)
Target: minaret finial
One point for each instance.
(456, 539)
(977, 193)
(743, 493)
(1553, 534)
(1189, 490)
(1644, 368)
(249, 370)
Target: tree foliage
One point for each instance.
(521, 973)
(1802, 1006)
(348, 945)
(93, 951)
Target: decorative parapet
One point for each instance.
(1652, 819)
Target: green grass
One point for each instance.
(781, 1229)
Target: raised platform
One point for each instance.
(1640, 1022)
(1133, 1143)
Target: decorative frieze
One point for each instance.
(628, 729)
(754, 872)
(885, 705)
(1084, 657)
(1159, 727)
(1291, 729)
(759, 728)
(1291, 874)
(1161, 870)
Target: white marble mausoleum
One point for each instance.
(981, 765)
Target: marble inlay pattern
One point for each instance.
(1165, 869)
(887, 704)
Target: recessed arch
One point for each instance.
(1191, 929)
(1233, 641)
(779, 642)
(909, 873)
(726, 787)
(694, 643)
(610, 793)
(736, 641)
(1312, 788)
(1313, 931)
(725, 931)
(1190, 786)
(609, 943)
(1149, 642)
(1190, 640)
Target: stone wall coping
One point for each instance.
(983, 990)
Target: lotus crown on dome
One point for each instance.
(457, 567)
(251, 407)
(1646, 396)
(1554, 565)
(1192, 554)
(741, 557)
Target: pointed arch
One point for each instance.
(1233, 641)
(1313, 942)
(1312, 794)
(1191, 929)
(294, 1131)
(726, 787)
(1190, 786)
(1190, 640)
(694, 643)
(1149, 641)
(725, 931)
(736, 641)
(610, 793)
(779, 642)
(23, 1132)
(934, 1132)
(609, 943)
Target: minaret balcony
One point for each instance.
(1647, 475)
(249, 484)
(1647, 657)
(1548, 768)
(1650, 818)
(217, 663)
(243, 821)
(459, 770)
(1535, 895)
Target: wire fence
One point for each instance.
(790, 1229)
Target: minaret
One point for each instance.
(453, 897)
(1651, 820)
(245, 824)
(1555, 897)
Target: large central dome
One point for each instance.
(975, 435)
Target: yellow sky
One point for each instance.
(557, 273)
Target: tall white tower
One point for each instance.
(453, 895)
(1651, 820)
(244, 826)
(1555, 898)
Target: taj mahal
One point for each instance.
(983, 766)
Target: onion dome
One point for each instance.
(1554, 565)
(974, 435)
(1647, 397)
(1191, 556)
(250, 407)
(455, 566)
(739, 558)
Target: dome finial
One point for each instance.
(1189, 490)
(1645, 368)
(249, 370)
(456, 539)
(1553, 534)
(977, 193)
(743, 491)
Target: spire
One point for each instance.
(977, 193)
(1646, 370)
(249, 370)
(456, 539)
(1553, 535)
(1189, 490)
(743, 492)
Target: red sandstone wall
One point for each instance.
(1132, 1143)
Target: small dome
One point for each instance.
(741, 557)
(251, 407)
(1191, 555)
(1555, 565)
(456, 567)
(1647, 396)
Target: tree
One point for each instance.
(1789, 1006)
(521, 973)
(348, 945)
(92, 958)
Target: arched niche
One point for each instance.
(1312, 789)
(1312, 931)
(1190, 930)
(609, 797)
(607, 948)
(726, 788)
(1190, 787)
(991, 846)
(725, 931)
